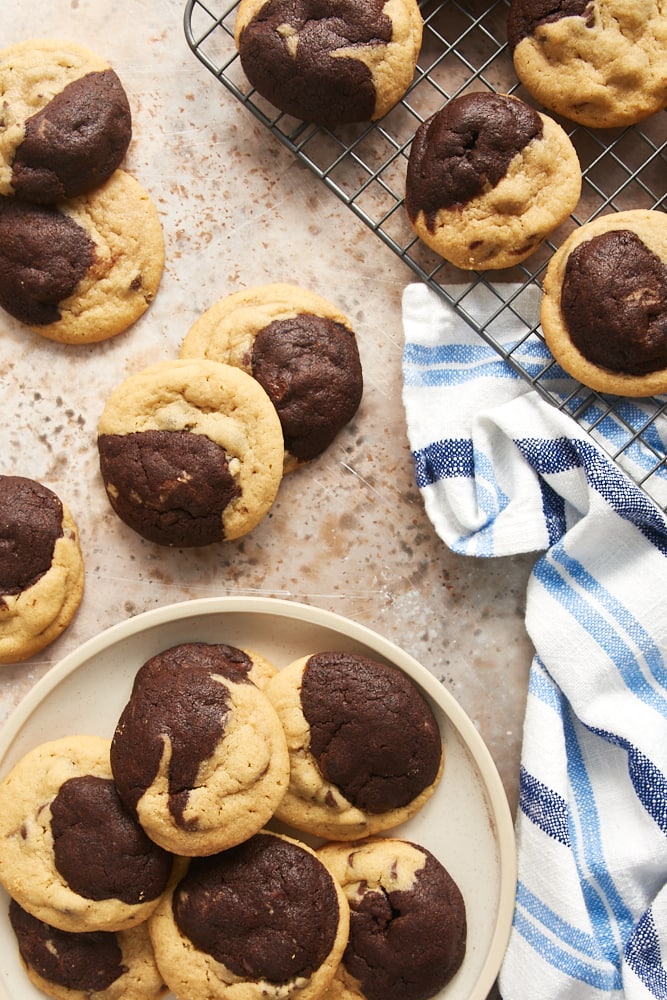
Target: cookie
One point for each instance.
(330, 61)
(97, 965)
(301, 350)
(41, 568)
(264, 919)
(604, 308)
(83, 270)
(600, 63)
(72, 856)
(408, 923)
(488, 179)
(199, 755)
(364, 745)
(66, 120)
(191, 452)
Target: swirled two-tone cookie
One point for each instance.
(97, 965)
(83, 270)
(597, 62)
(365, 747)
(191, 452)
(199, 755)
(41, 568)
(66, 120)
(300, 348)
(263, 919)
(408, 924)
(330, 61)
(488, 179)
(72, 855)
(604, 308)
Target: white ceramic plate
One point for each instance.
(467, 823)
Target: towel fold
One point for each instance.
(502, 471)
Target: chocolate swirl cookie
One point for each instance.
(330, 61)
(488, 179)
(66, 120)
(41, 568)
(199, 755)
(365, 747)
(72, 855)
(604, 309)
(263, 919)
(300, 348)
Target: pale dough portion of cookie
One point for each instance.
(27, 866)
(34, 618)
(123, 223)
(32, 73)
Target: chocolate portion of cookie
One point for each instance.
(309, 367)
(174, 697)
(614, 303)
(407, 944)
(371, 732)
(75, 142)
(171, 487)
(266, 909)
(287, 49)
(31, 522)
(88, 962)
(43, 256)
(464, 148)
(525, 16)
(99, 849)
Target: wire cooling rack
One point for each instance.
(464, 48)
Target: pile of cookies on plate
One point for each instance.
(236, 836)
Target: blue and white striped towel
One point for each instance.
(502, 471)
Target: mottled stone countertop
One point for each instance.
(347, 533)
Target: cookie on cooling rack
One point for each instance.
(263, 918)
(72, 856)
(600, 63)
(408, 924)
(199, 754)
(66, 120)
(302, 351)
(96, 964)
(86, 269)
(330, 62)
(488, 179)
(604, 308)
(365, 747)
(191, 452)
(41, 570)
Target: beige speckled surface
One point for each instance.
(348, 532)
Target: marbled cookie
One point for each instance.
(302, 351)
(191, 452)
(83, 270)
(72, 856)
(598, 62)
(66, 120)
(97, 965)
(199, 755)
(330, 61)
(364, 744)
(488, 179)
(41, 568)
(408, 923)
(262, 920)
(604, 308)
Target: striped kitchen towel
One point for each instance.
(502, 471)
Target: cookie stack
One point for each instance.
(229, 838)
(81, 243)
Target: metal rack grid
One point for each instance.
(464, 48)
